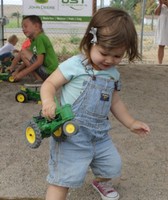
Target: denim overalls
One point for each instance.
(91, 146)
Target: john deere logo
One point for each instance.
(74, 4)
(41, 1)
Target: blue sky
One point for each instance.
(19, 2)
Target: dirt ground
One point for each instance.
(23, 170)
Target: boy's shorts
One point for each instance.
(41, 71)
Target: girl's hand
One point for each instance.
(140, 128)
(48, 109)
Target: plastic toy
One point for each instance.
(4, 65)
(6, 77)
(28, 92)
(60, 127)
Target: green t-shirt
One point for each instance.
(42, 45)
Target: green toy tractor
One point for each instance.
(59, 128)
(28, 92)
(4, 65)
(6, 77)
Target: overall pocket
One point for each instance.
(98, 102)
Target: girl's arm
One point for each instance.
(48, 92)
(120, 111)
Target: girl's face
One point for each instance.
(28, 28)
(103, 59)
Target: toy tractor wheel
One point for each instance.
(11, 79)
(21, 97)
(57, 133)
(70, 128)
(33, 135)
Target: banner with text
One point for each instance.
(59, 10)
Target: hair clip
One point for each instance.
(93, 31)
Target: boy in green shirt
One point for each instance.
(40, 59)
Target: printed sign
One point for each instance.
(59, 10)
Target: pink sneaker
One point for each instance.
(106, 190)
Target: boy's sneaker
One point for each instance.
(106, 190)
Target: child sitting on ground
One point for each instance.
(40, 59)
(7, 52)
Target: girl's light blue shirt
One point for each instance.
(76, 71)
